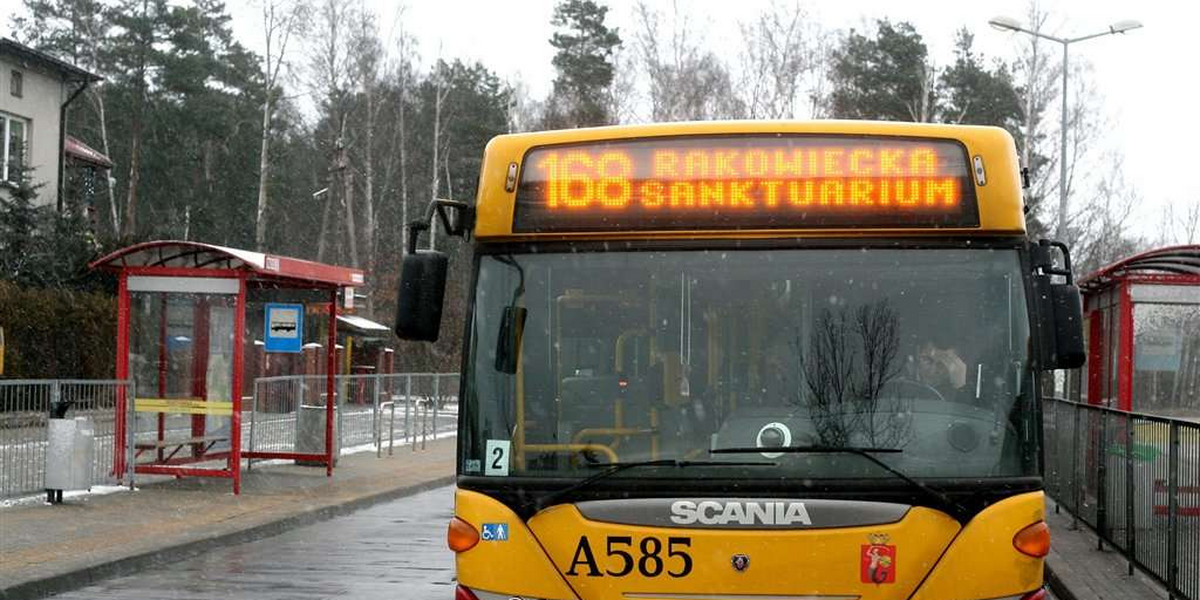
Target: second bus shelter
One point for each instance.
(1142, 324)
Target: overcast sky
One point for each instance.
(1148, 77)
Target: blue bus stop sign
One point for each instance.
(284, 327)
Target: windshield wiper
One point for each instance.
(614, 468)
(946, 503)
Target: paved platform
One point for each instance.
(47, 549)
(1077, 570)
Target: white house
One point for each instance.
(35, 91)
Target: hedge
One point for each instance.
(57, 333)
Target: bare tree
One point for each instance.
(783, 61)
(331, 72)
(441, 90)
(828, 370)
(1180, 223)
(393, 92)
(1038, 74)
(1086, 124)
(922, 109)
(524, 112)
(686, 82)
(1101, 227)
(281, 19)
(367, 60)
(851, 360)
(622, 94)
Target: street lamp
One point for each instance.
(1010, 24)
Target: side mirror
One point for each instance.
(508, 342)
(1060, 311)
(1067, 308)
(422, 288)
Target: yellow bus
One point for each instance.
(750, 360)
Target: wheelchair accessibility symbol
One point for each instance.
(495, 532)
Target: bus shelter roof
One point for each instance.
(1180, 264)
(193, 256)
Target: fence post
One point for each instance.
(1052, 458)
(408, 410)
(377, 417)
(392, 429)
(1130, 534)
(1102, 483)
(130, 432)
(253, 413)
(437, 401)
(1075, 488)
(1173, 511)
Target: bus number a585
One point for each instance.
(649, 556)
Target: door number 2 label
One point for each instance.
(496, 460)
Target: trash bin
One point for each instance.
(1144, 456)
(310, 433)
(70, 451)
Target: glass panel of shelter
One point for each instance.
(1103, 341)
(1166, 361)
(181, 347)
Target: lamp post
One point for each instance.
(1011, 24)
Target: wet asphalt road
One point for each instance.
(395, 551)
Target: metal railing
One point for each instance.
(287, 413)
(1135, 479)
(24, 410)
(382, 411)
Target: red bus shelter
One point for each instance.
(1142, 323)
(181, 336)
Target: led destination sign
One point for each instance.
(745, 183)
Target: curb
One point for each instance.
(1057, 586)
(62, 582)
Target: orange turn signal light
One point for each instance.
(1033, 540)
(461, 535)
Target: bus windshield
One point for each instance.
(581, 359)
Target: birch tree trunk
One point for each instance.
(114, 212)
(347, 180)
(369, 50)
(403, 135)
(438, 95)
(321, 244)
(274, 25)
(264, 166)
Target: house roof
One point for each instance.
(196, 255)
(28, 55)
(1171, 260)
(80, 151)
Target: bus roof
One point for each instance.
(992, 158)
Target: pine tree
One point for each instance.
(976, 95)
(887, 77)
(584, 65)
(18, 225)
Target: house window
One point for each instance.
(17, 84)
(16, 145)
